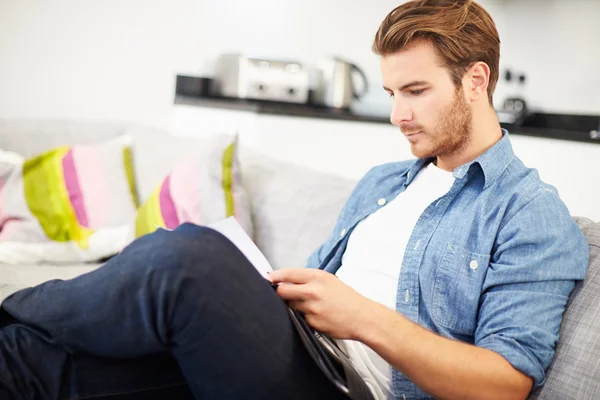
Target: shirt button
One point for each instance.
(381, 201)
(343, 232)
(473, 265)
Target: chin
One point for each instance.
(422, 151)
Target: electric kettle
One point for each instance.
(335, 83)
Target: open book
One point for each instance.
(233, 231)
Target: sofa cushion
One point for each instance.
(156, 153)
(56, 205)
(204, 187)
(575, 372)
(294, 208)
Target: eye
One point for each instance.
(416, 92)
(391, 94)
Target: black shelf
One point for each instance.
(551, 126)
(548, 133)
(286, 109)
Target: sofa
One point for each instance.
(293, 210)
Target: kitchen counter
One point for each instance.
(572, 128)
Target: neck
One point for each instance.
(485, 133)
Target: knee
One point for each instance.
(188, 249)
(193, 240)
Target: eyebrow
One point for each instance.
(413, 83)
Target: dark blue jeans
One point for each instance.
(176, 315)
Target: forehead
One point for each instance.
(417, 62)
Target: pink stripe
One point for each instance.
(95, 184)
(185, 190)
(73, 189)
(167, 206)
(11, 228)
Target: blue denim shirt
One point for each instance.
(491, 263)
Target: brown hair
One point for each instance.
(461, 31)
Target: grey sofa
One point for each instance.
(294, 209)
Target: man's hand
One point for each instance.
(444, 368)
(329, 305)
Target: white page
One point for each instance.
(231, 229)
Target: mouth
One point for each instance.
(412, 134)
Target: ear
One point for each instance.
(476, 81)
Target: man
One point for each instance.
(451, 271)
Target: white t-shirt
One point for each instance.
(373, 258)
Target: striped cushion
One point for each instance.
(204, 187)
(65, 196)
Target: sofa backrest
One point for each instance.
(294, 208)
(575, 370)
(31, 137)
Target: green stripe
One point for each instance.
(149, 217)
(48, 200)
(44, 195)
(228, 179)
(128, 160)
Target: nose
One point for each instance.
(401, 112)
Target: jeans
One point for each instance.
(178, 314)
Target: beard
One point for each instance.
(451, 133)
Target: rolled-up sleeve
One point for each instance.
(539, 256)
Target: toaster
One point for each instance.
(260, 79)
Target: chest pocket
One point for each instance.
(457, 289)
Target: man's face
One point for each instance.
(429, 110)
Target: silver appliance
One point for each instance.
(260, 79)
(335, 83)
(514, 111)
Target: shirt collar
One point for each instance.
(493, 162)
(419, 164)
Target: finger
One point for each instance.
(294, 292)
(295, 275)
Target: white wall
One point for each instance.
(88, 59)
(557, 44)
